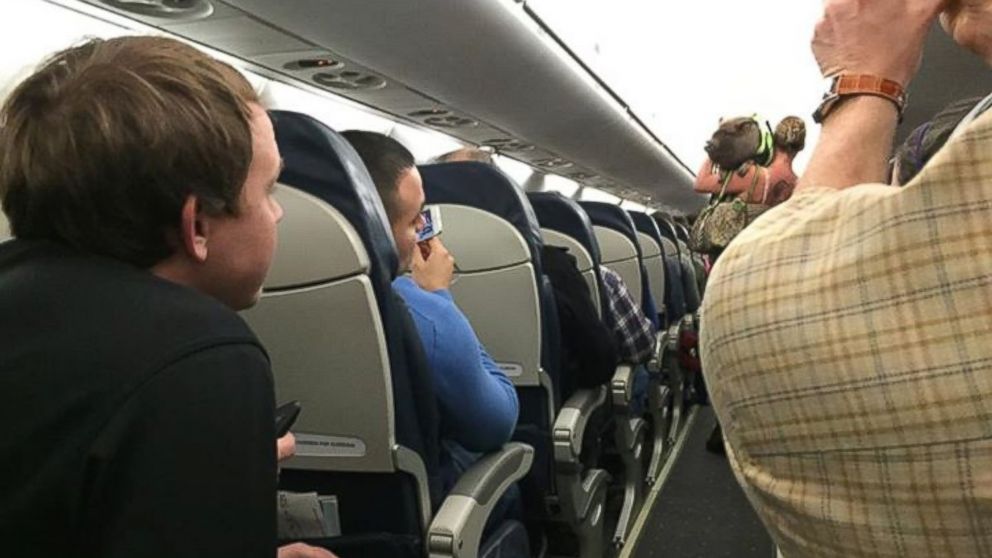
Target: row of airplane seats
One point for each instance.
(342, 343)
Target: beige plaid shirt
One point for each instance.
(847, 343)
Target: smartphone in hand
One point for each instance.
(286, 416)
(431, 216)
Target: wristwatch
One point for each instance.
(850, 85)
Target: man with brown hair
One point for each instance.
(137, 175)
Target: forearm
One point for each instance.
(854, 144)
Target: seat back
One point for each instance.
(491, 230)
(583, 261)
(690, 284)
(673, 257)
(651, 250)
(342, 342)
(321, 269)
(565, 224)
(619, 246)
(4, 227)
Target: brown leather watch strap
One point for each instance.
(849, 85)
(868, 84)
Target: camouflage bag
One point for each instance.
(723, 219)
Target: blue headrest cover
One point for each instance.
(613, 217)
(322, 163)
(645, 224)
(556, 212)
(484, 187)
(665, 227)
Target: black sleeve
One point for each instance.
(187, 468)
(591, 351)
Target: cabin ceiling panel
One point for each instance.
(481, 71)
(238, 35)
(489, 61)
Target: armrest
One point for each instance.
(655, 362)
(570, 425)
(622, 386)
(456, 530)
(672, 343)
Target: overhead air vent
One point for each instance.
(508, 145)
(553, 163)
(428, 112)
(313, 64)
(581, 176)
(182, 10)
(349, 81)
(450, 121)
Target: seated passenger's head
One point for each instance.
(790, 135)
(398, 181)
(147, 151)
(927, 139)
(476, 154)
(969, 22)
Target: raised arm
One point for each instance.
(707, 181)
(883, 38)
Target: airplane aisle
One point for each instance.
(701, 511)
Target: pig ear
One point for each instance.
(720, 120)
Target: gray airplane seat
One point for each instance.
(653, 257)
(620, 251)
(490, 229)
(564, 223)
(683, 319)
(665, 383)
(690, 283)
(698, 267)
(675, 301)
(342, 343)
(4, 227)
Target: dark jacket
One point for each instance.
(589, 353)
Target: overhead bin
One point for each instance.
(482, 71)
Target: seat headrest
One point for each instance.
(316, 244)
(665, 227)
(555, 211)
(682, 232)
(613, 217)
(323, 164)
(484, 187)
(645, 224)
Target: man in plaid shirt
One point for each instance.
(854, 386)
(634, 332)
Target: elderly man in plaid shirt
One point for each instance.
(855, 386)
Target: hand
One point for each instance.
(285, 447)
(967, 21)
(434, 272)
(879, 37)
(300, 550)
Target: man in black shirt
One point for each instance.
(137, 407)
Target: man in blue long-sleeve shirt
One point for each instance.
(478, 404)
